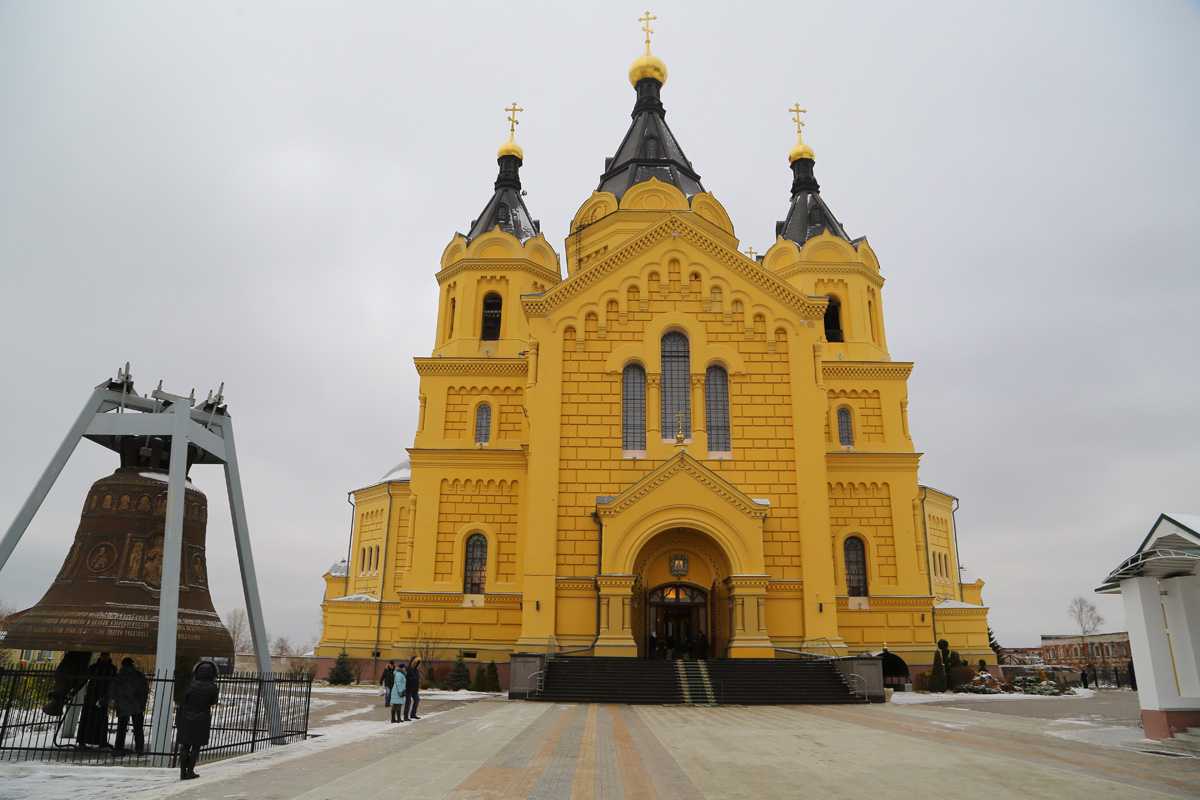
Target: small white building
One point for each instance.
(1160, 584)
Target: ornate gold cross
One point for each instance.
(750, 251)
(678, 427)
(513, 110)
(796, 112)
(646, 19)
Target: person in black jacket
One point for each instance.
(194, 716)
(388, 680)
(93, 719)
(412, 689)
(130, 690)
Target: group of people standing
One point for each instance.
(402, 689)
(126, 692)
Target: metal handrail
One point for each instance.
(810, 654)
(536, 682)
(859, 679)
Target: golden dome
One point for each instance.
(510, 148)
(647, 65)
(801, 150)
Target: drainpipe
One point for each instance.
(387, 531)
(349, 540)
(928, 569)
(957, 556)
(599, 565)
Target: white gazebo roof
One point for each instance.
(1170, 549)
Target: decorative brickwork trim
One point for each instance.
(866, 370)
(469, 367)
(504, 600)
(575, 585)
(858, 459)
(683, 463)
(808, 268)
(474, 456)
(785, 586)
(487, 265)
(675, 226)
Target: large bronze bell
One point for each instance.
(105, 597)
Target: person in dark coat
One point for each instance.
(412, 688)
(130, 690)
(194, 716)
(93, 719)
(1083, 676)
(387, 681)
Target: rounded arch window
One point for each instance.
(854, 553)
(676, 386)
(845, 426)
(483, 424)
(633, 408)
(489, 329)
(475, 564)
(716, 408)
(833, 320)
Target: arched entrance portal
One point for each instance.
(681, 600)
(677, 622)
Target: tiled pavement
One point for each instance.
(489, 750)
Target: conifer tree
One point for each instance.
(493, 677)
(340, 673)
(460, 676)
(479, 682)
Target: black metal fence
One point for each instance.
(241, 722)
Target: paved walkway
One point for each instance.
(498, 750)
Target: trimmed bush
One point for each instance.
(460, 676)
(479, 682)
(493, 677)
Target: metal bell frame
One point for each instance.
(104, 419)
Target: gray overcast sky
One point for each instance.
(259, 194)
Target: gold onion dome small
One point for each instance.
(801, 150)
(647, 65)
(510, 148)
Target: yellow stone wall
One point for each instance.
(578, 529)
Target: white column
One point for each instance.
(1182, 605)
(1148, 643)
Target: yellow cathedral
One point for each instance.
(673, 449)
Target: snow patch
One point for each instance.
(919, 698)
(354, 712)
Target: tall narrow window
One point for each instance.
(874, 324)
(676, 386)
(633, 408)
(716, 408)
(475, 564)
(833, 320)
(483, 424)
(490, 328)
(845, 426)
(856, 567)
(450, 319)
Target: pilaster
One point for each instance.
(616, 616)
(748, 595)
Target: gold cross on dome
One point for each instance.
(678, 427)
(513, 110)
(796, 112)
(646, 19)
(750, 251)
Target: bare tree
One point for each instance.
(238, 626)
(1086, 617)
(282, 646)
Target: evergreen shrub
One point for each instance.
(340, 674)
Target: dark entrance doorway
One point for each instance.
(677, 624)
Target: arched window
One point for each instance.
(833, 320)
(845, 426)
(483, 424)
(716, 408)
(676, 386)
(475, 564)
(450, 319)
(489, 329)
(874, 324)
(633, 408)
(856, 567)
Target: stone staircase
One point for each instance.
(1185, 743)
(576, 679)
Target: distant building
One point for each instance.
(1016, 656)
(1098, 649)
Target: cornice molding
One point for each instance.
(488, 265)
(786, 586)
(575, 584)
(682, 463)
(674, 226)
(498, 600)
(866, 370)
(857, 459)
(468, 457)
(470, 367)
(916, 604)
(810, 268)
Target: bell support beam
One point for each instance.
(241, 535)
(168, 598)
(51, 473)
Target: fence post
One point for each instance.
(257, 707)
(12, 690)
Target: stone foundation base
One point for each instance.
(1165, 724)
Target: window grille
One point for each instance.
(483, 424)
(475, 564)
(633, 408)
(845, 426)
(716, 406)
(856, 567)
(676, 386)
(490, 327)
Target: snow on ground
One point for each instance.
(354, 712)
(426, 694)
(917, 698)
